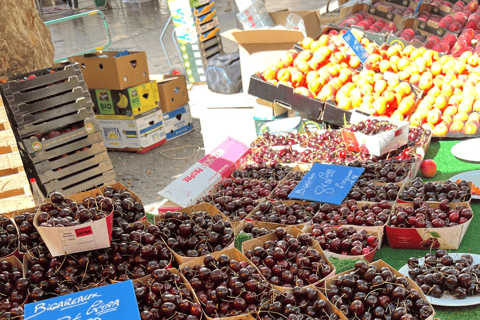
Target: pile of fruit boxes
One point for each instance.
(56, 130)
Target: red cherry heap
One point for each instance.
(287, 139)
(237, 197)
(225, 286)
(441, 273)
(286, 214)
(254, 231)
(368, 214)
(418, 136)
(14, 290)
(371, 127)
(285, 187)
(295, 305)
(384, 170)
(136, 251)
(196, 234)
(422, 215)
(63, 212)
(263, 172)
(29, 237)
(8, 236)
(284, 155)
(372, 293)
(364, 190)
(436, 191)
(344, 240)
(164, 296)
(289, 261)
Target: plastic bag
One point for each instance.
(224, 74)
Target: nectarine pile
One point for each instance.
(327, 69)
(399, 10)
(368, 23)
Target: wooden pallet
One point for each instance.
(15, 192)
(140, 150)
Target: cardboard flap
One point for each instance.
(265, 37)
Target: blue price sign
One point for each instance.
(356, 46)
(112, 302)
(326, 183)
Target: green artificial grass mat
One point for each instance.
(447, 167)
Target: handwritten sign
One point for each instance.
(326, 183)
(112, 302)
(356, 46)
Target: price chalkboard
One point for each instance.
(356, 46)
(326, 183)
(112, 302)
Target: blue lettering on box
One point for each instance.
(111, 302)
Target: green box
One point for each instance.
(125, 104)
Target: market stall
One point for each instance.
(357, 203)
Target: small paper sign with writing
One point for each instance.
(356, 46)
(326, 183)
(111, 302)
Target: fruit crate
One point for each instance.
(55, 107)
(88, 178)
(18, 102)
(57, 119)
(33, 145)
(15, 192)
(76, 149)
(43, 78)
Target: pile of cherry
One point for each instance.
(440, 273)
(344, 240)
(436, 191)
(285, 213)
(253, 231)
(369, 292)
(239, 194)
(329, 147)
(196, 234)
(165, 295)
(289, 261)
(353, 213)
(423, 215)
(136, 251)
(61, 211)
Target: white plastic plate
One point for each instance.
(468, 150)
(473, 176)
(447, 300)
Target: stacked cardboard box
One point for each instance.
(59, 139)
(174, 103)
(198, 34)
(126, 101)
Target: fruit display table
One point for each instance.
(448, 166)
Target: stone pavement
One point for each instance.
(137, 28)
(148, 173)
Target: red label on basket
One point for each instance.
(398, 132)
(350, 140)
(86, 231)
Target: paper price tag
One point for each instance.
(356, 46)
(326, 183)
(112, 302)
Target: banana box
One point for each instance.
(127, 103)
(178, 122)
(142, 132)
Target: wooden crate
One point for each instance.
(15, 192)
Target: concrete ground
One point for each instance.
(137, 27)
